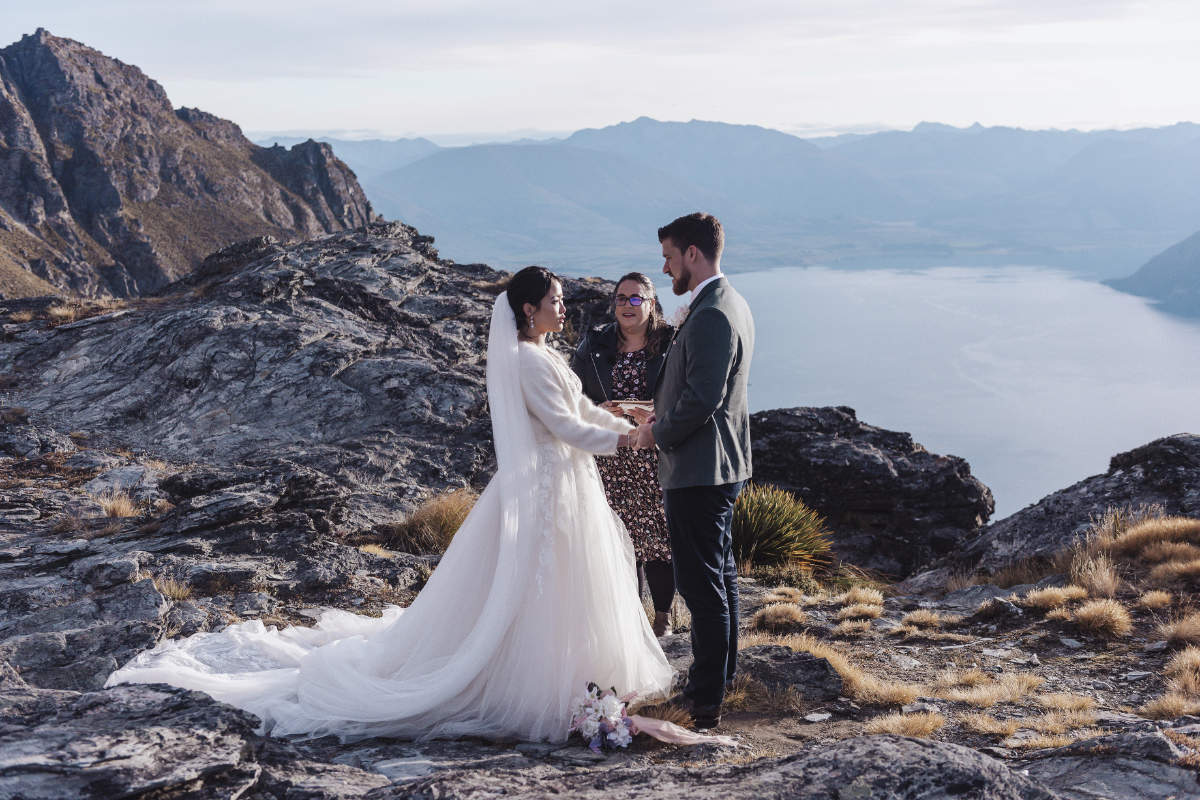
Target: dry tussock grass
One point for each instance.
(1010, 687)
(861, 595)
(20, 316)
(1065, 701)
(1104, 618)
(60, 315)
(852, 627)
(1183, 672)
(924, 618)
(175, 590)
(664, 711)
(1154, 599)
(954, 678)
(431, 527)
(1172, 571)
(858, 684)
(860, 611)
(978, 722)
(1191, 744)
(1053, 597)
(778, 617)
(1095, 572)
(117, 504)
(1169, 551)
(1171, 705)
(68, 523)
(786, 594)
(1060, 614)
(1061, 721)
(922, 724)
(1183, 630)
(757, 639)
(1152, 530)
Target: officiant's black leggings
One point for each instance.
(660, 577)
(700, 520)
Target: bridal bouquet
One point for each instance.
(600, 718)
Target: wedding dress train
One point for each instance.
(534, 598)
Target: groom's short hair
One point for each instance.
(700, 229)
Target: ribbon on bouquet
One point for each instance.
(673, 734)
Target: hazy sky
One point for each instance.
(447, 66)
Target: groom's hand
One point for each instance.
(644, 437)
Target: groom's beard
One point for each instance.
(680, 283)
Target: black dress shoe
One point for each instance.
(706, 717)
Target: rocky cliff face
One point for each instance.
(891, 503)
(105, 188)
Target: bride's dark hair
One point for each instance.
(529, 285)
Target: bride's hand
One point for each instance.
(641, 415)
(612, 408)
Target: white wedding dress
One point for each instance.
(535, 597)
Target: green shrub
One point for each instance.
(772, 526)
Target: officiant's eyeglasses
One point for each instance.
(634, 300)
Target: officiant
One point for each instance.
(620, 362)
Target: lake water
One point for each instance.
(1034, 376)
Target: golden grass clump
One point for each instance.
(20, 316)
(61, 315)
(860, 611)
(1156, 552)
(1053, 597)
(175, 590)
(757, 639)
(1104, 618)
(1062, 721)
(1152, 530)
(666, 712)
(786, 594)
(1181, 630)
(1172, 571)
(1065, 701)
(778, 617)
(1010, 687)
(1154, 599)
(978, 722)
(117, 504)
(953, 678)
(1170, 706)
(1061, 614)
(431, 527)
(852, 627)
(922, 724)
(861, 595)
(1183, 672)
(924, 618)
(1095, 572)
(773, 526)
(858, 684)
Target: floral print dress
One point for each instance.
(631, 476)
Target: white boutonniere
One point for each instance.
(679, 316)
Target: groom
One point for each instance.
(701, 427)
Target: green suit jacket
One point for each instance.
(702, 426)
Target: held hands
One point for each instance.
(643, 437)
(641, 415)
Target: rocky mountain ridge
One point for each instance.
(105, 188)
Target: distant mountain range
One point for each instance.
(106, 188)
(1096, 202)
(1171, 278)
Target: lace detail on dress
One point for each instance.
(548, 455)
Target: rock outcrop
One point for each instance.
(106, 189)
(359, 355)
(891, 504)
(1165, 472)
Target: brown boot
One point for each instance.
(662, 623)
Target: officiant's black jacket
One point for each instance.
(597, 354)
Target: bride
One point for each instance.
(533, 599)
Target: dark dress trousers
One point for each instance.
(702, 431)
